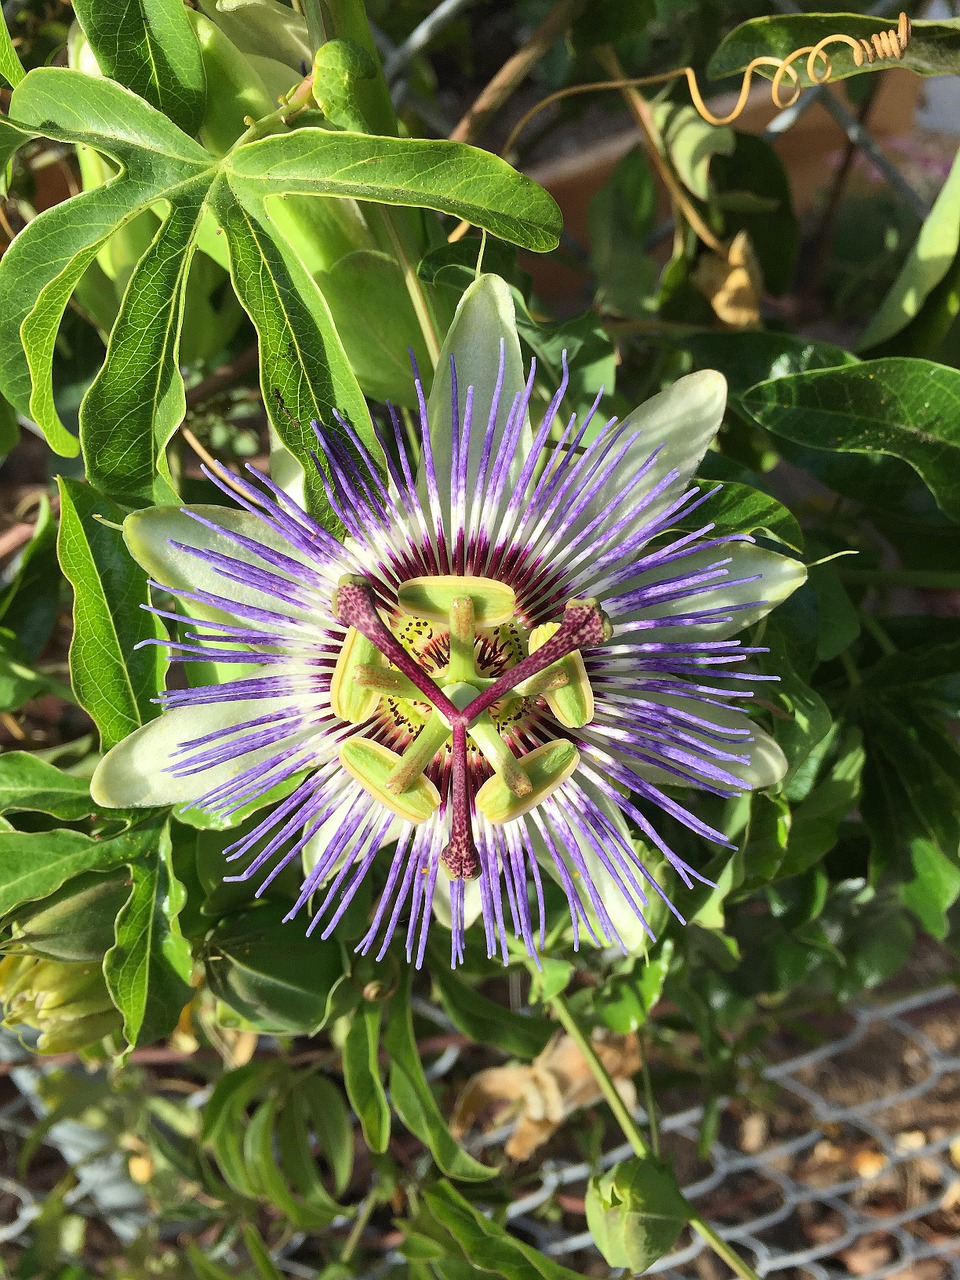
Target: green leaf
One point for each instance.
(449, 177)
(804, 718)
(361, 1075)
(748, 358)
(906, 408)
(11, 67)
(258, 1254)
(622, 215)
(932, 256)
(304, 371)
(635, 1212)
(330, 1122)
(270, 972)
(29, 783)
(488, 1022)
(934, 888)
(625, 1002)
(753, 166)
(34, 865)
(934, 48)
(137, 400)
(815, 821)
(691, 143)
(739, 508)
(149, 47)
(18, 680)
(76, 923)
(43, 265)
(148, 969)
(114, 680)
(32, 599)
(412, 1099)
(485, 1243)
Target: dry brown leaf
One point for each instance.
(542, 1095)
(733, 285)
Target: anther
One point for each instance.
(372, 764)
(355, 606)
(548, 767)
(584, 625)
(572, 703)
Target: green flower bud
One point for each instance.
(66, 1002)
(635, 1213)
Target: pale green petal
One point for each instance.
(133, 774)
(772, 578)
(680, 422)
(622, 915)
(484, 317)
(766, 764)
(148, 535)
(472, 902)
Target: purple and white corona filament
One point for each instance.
(495, 676)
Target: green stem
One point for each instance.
(649, 1102)
(317, 32)
(722, 1249)
(564, 1016)
(924, 579)
(602, 1076)
(364, 1212)
(884, 643)
(850, 670)
(384, 220)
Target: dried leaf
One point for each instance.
(542, 1095)
(733, 284)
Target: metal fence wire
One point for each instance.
(812, 1195)
(844, 1161)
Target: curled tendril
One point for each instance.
(879, 47)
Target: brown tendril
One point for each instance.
(879, 47)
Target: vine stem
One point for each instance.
(602, 1076)
(563, 1014)
(640, 110)
(364, 1212)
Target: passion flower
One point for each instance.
(502, 668)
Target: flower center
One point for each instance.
(457, 665)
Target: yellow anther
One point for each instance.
(433, 598)
(548, 767)
(372, 764)
(349, 699)
(572, 702)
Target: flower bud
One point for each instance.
(66, 1002)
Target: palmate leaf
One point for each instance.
(136, 401)
(149, 46)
